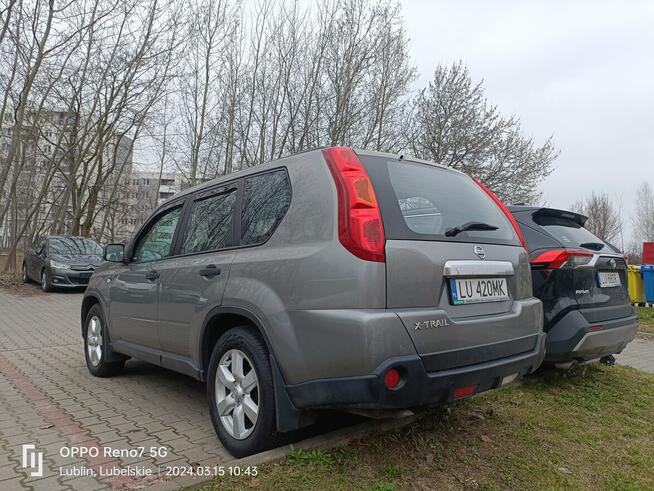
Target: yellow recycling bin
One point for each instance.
(636, 287)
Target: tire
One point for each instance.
(95, 345)
(46, 284)
(262, 433)
(24, 276)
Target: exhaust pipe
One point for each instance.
(569, 365)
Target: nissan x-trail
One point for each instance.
(333, 278)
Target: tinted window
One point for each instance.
(73, 246)
(265, 200)
(157, 243)
(210, 224)
(423, 202)
(568, 232)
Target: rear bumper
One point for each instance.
(417, 387)
(574, 339)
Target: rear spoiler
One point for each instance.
(568, 215)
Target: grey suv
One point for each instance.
(329, 279)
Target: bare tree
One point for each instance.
(643, 217)
(634, 252)
(215, 86)
(87, 76)
(604, 219)
(452, 123)
(211, 26)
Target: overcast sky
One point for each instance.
(581, 71)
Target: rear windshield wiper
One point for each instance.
(595, 246)
(451, 232)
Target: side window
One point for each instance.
(157, 243)
(265, 200)
(38, 247)
(210, 223)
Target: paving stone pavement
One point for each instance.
(639, 353)
(49, 399)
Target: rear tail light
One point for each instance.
(360, 227)
(562, 258)
(505, 210)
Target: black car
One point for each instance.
(582, 282)
(61, 262)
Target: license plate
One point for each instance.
(478, 290)
(608, 280)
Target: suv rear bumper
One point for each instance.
(574, 339)
(417, 387)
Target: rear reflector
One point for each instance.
(461, 392)
(392, 378)
(360, 227)
(505, 210)
(557, 258)
(595, 328)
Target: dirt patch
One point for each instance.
(12, 283)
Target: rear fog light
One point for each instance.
(461, 392)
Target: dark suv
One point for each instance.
(582, 282)
(61, 261)
(329, 279)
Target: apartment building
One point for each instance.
(146, 191)
(52, 167)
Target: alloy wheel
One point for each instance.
(94, 341)
(237, 394)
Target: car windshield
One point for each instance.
(74, 246)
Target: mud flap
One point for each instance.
(289, 417)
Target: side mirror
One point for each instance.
(114, 253)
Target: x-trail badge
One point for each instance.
(481, 253)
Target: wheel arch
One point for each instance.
(89, 301)
(218, 321)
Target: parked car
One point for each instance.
(61, 261)
(582, 281)
(330, 279)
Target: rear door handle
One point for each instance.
(152, 275)
(209, 271)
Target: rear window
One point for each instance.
(266, 198)
(423, 202)
(570, 233)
